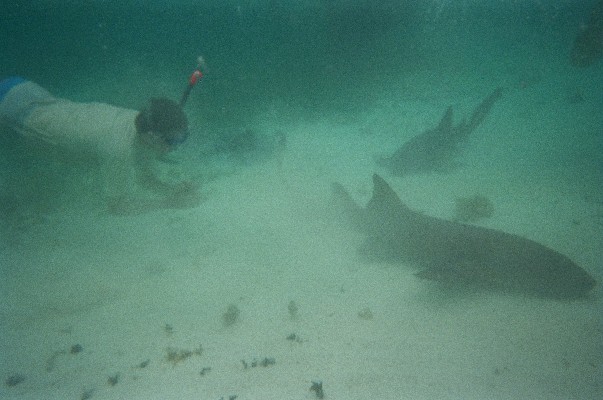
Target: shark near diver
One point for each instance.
(456, 253)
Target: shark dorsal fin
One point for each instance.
(445, 124)
(384, 196)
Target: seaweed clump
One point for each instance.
(113, 380)
(365, 314)
(317, 389)
(76, 348)
(292, 308)
(14, 380)
(266, 362)
(176, 356)
(231, 315)
(473, 208)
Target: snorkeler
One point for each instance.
(127, 143)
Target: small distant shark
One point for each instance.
(588, 45)
(436, 149)
(454, 253)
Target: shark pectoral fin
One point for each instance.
(438, 274)
(466, 273)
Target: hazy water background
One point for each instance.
(343, 81)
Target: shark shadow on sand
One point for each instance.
(457, 254)
(436, 149)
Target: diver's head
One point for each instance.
(162, 124)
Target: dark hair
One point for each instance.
(163, 117)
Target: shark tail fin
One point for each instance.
(445, 124)
(483, 109)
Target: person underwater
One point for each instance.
(128, 143)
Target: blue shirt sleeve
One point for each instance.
(7, 84)
(18, 98)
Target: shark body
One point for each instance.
(436, 149)
(456, 253)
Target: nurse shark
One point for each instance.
(454, 253)
(436, 149)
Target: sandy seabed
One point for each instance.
(145, 296)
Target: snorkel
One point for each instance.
(195, 77)
(163, 124)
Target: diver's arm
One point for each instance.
(149, 179)
(183, 194)
(123, 198)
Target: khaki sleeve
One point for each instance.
(101, 131)
(96, 128)
(118, 176)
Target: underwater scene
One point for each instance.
(301, 199)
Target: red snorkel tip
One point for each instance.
(195, 77)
